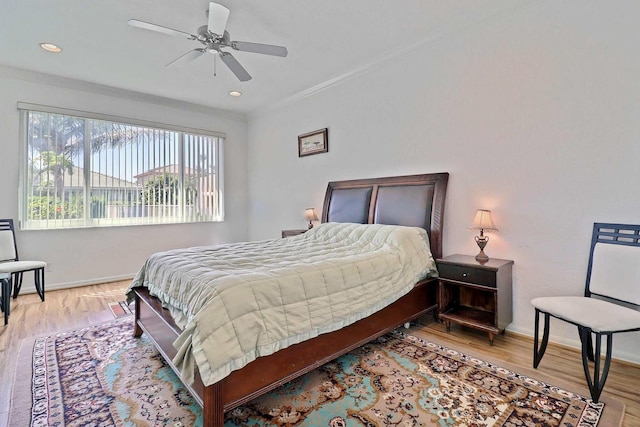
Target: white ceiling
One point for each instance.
(327, 40)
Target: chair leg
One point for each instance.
(17, 284)
(596, 384)
(6, 293)
(589, 343)
(39, 280)
(540, 348)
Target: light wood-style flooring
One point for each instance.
(73, 308)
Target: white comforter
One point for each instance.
(237, 302)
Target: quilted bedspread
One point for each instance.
(236, 302)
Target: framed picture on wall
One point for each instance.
(313, 142)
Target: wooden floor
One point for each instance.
(78, 307)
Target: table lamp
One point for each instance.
(310, 215)
(482, 221)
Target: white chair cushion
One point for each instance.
(599, 315)
(16, 266)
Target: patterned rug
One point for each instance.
(101, 376)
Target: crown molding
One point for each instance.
(464, 24)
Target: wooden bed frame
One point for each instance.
(415, 200)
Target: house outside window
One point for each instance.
(88, 170)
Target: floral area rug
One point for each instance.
(402, 380)
(102, 376)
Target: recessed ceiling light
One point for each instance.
(235, 93)
(50, 47)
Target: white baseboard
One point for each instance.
(28, 287)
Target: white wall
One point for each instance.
(534, 115)
(94, 255)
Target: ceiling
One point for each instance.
(327, 40)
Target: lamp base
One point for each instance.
(482, 257)
(482, 241)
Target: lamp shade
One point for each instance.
(483, 221)
(310, 214)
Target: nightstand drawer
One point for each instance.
(467, 274)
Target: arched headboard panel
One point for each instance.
(411, 200)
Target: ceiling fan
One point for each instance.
(214, 37)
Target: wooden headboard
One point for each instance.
(411, 200)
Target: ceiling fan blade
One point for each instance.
(218, 16)
(191, 55)
(265, 49)
(159, 28)
(235, 67)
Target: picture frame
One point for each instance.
(315, 142)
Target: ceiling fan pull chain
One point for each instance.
(215, 63)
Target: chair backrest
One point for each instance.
(8, 248)
(614, 263)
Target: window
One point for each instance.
(87, 170)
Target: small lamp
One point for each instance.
(482, 221)
(310, 215)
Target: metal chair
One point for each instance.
(610, 304)
(10, 263)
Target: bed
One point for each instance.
(412, 200)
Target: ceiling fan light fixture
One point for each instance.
(50, 47)
(235, 93)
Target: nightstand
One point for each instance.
(475, 294)
(289, 233)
